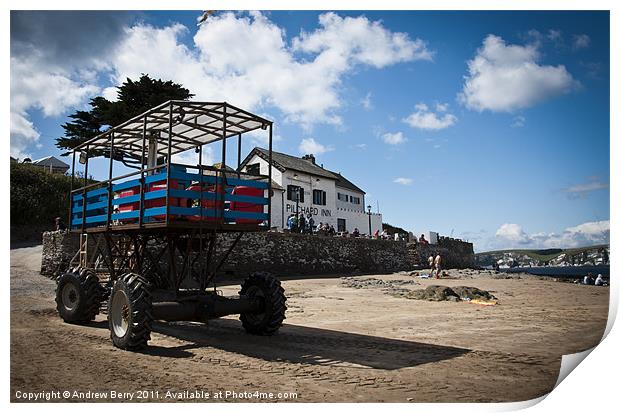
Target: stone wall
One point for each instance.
(290, 254)
(59, 247)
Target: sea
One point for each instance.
(569, 271)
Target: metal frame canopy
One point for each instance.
(177, 126)
(148, 141)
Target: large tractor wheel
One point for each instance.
(130, 312)
(79, 296)
(268, 288)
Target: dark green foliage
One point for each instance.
(391, 229)
(37, 196)
(134, 98)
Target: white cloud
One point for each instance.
(423, 118)
(243, 58)
(503, 77)
(191, 157)
(518, 122)
(512, 233)
(583, 190)
(246, 59)
(366, 102)
(38, 86)
(441, 107)
(110, 93)
(357, 40)
(310, 146)
(393, 138)
(554, 35)
(581, 41)
(403, 181)
(588, 233)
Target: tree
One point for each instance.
(134, 98)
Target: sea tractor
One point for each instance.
(150, 240)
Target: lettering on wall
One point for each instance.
(290, 209)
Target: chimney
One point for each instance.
(310, 158)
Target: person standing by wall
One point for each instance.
(437, 266)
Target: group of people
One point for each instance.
(589, 280)
(300, 224)
(325, 229)
(434, 264)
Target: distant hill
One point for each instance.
(392, 229)
(592, 255)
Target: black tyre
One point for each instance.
(268, 288)
(78, 296)
(130, 312)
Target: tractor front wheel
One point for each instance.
(130, 312)
(268, 288)
(78, 296)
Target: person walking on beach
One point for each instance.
(431, 261)
(437, 266)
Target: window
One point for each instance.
(291, 193)
(343, 197)
(355, 200)
(253, 169)
(342, 225)
(318, 197)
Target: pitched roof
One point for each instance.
(50, 160)
(284, 161)
(345, 183)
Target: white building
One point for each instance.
(328, 196)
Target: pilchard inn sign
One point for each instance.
(290, 209)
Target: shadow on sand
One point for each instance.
(307, 345)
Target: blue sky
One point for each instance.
(490, 126)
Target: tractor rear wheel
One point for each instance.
(130, 312)
(268, 288)
(78, 296)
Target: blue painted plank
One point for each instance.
(90, 194)
(125, 215)
(97, 205)
(247, 215)
(209, 195)
(126, 200)
(161, 193)
(78, 205)
(211, 179)
(155, 211)
(247, 182)
(90, 220)
(155, 178)
(208, 179)
(247, 199)
(195, 211)
(134, 183)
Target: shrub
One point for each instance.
(37, 196)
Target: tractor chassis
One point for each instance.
(167, 276)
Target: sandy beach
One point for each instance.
(343, 341)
